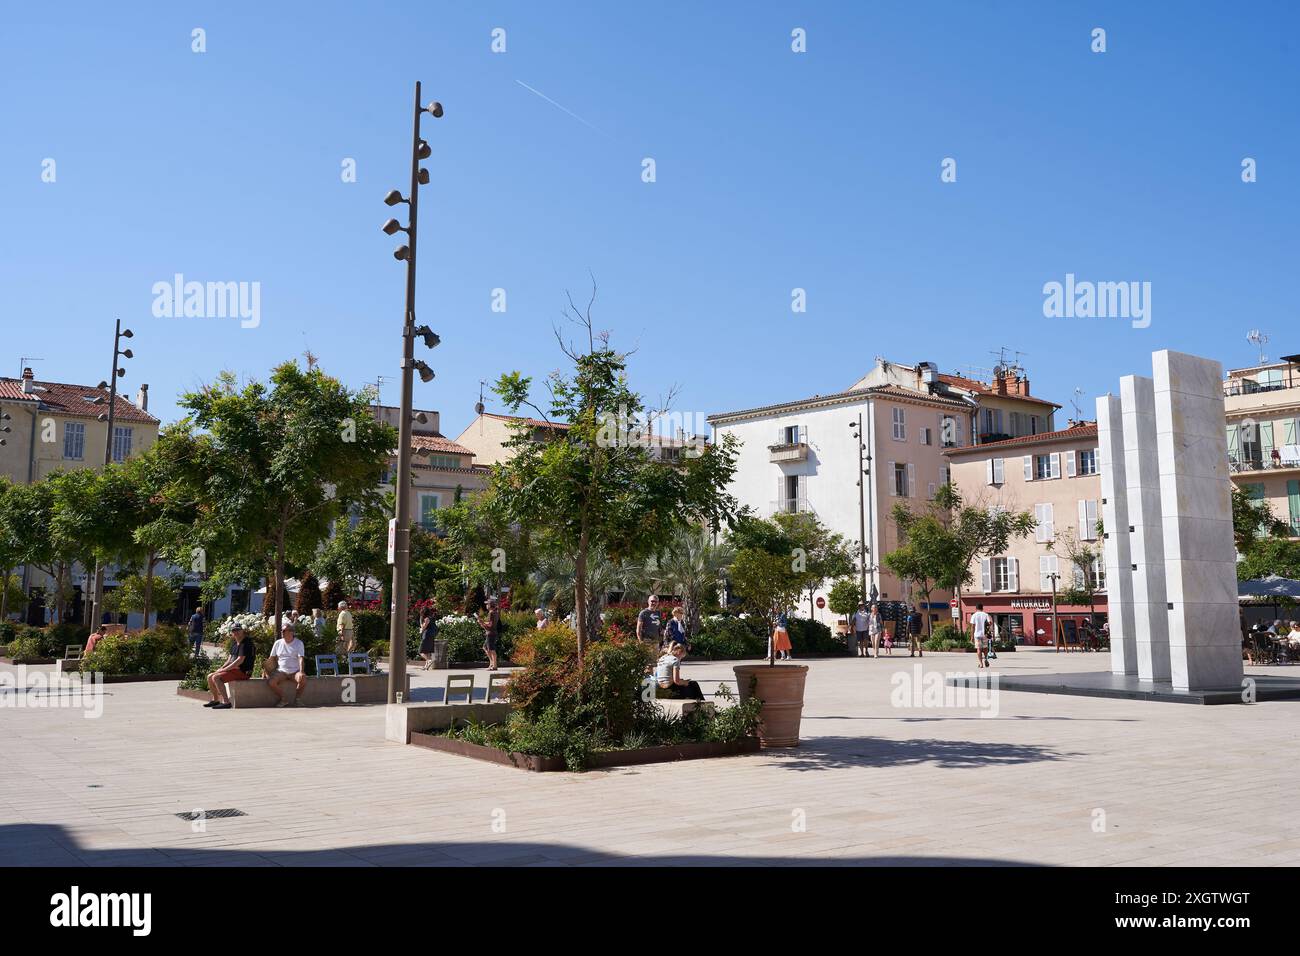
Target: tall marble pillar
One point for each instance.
(1195, 493)
(1115, 544)
(1145, 527)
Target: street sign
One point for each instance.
(953, 603)
(821, 602)
(392, 540)
(956, 609)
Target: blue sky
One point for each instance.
(775, 170)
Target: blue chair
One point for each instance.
(327, 665)
(359, 663)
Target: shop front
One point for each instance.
(1027, 619)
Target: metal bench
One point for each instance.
(498, 688)
(458, 684)
(359, 663)
(327, 665)
(72, 652)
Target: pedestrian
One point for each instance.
(428, 634)
(100, 633)
(649, 622)
(196, 630)
(858, 631)
(344, 639)
(238, 667)
(914, 632)
(781, 646)
(491, 624)
(980, 625)
(318, 624)
(675, 632)
(288, 653)
(874, 626)
(540, 615)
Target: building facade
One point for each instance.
(444, 470)
(1053, 476)
(1262, 405)
(803, 455)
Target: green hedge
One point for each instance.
(813, 637)
(727, 638)
(946, 637)
(159, 650)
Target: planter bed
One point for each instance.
(138, 678)
(601, 759)
(29, 661)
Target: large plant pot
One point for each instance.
(780, 688)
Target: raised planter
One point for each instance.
(346, 691)
(29, 661)
(599, 760)
(780, 688)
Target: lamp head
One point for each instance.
(391, 226)
(127, 353)
(434, 109)
(128, 334)
(426, 373)
(402, 252)
(423, 150)
(424, 177)
(393, 198)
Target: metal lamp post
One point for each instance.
(865, 516)
(402, 520)
(119, 333)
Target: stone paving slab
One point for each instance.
(873, 783)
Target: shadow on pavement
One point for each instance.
(830, 753)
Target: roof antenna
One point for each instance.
(479, 406)
(1258, 339)
(23, 360)
(1078, 409)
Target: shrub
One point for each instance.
(197, 676)
(56, 637)
(813, 637)
(370, 626)
(946, 637)
(158, 650)
(8, 631)
(723, 637)
(548, 658)
(464, 638)
(27, 647)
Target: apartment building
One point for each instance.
(444, 470)
(802, 455)
(1262, 405)
(488, 435)
(1054, 476)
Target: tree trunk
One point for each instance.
(148, 589)
(580, 590)
(279, 580)
(4, 596)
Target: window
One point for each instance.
(925, 436)
(793, 435)
(1096, 577)
(992, 421)
(1088, 462)
(1046, 568)
(1044, 523)
(899, 429)
(74, 441)
(1040, 467)
(1088, 520)
(900, 479)
(1000, 574)
(121, 442)
(428, 505)
(1035, 424)
(949, 432)
(443, 461)
(995, 470)
(932, 490)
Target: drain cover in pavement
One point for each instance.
(211, 814)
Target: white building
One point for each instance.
(802, 455)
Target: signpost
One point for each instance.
(956, 609)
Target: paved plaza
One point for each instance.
(1048, 780)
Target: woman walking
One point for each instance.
(428, 635)
(781, 645)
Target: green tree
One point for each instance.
(692, 564)
(824, 554)
(768, 573)
(284, 463)
(844, 597)
(977, 532)
(592, 487)
(135, 594)
(1272, 555)
(1081, 556)
(10, 554)
(1253, 520)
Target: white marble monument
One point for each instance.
(1167, 512)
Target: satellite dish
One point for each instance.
(478, 408)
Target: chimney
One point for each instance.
(142, 398)
(29, 381)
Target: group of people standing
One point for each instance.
(489, 619)
(867, 632)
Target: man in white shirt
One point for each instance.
(289, 665)
(345, 639)
(981, 624)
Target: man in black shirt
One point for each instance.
(239, 667)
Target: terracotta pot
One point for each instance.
(780, 688)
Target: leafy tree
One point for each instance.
(42, 529)
(592, 487)
(486, 548)
(10, 554)
(825, 554)
(977, 532)
(1271, 555)
(1252, 520)
(1080, 555)
(284, 463)
(692, 564)
(135, 594)
(556, 577)
(333, 594)
(309, 597)
(844, 597)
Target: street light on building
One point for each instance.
(119, 333)
(402, 519)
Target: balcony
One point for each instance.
(790, 506)
(1238, 465)
(787, 451)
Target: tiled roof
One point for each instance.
(1088, 430)
(982, 388)
(535, 422)
(71, 400)
(843, 398)
(436, 442)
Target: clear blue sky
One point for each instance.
(775, 170)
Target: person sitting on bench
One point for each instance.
(288, 653)
(668, 674)
(239, 667)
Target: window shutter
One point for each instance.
(986, 575)
(911, 480)
(1029, 468)
(1038, 524)
(1266, 440)
(1293, 504)
(1234, 440)
(932, 489)
(999, 472)
(1069, 464)
(988, 469)
(1056, 464)
(1043, 567)
(803, 487)
(1288, 431)
(1013, 574)
(780, 491)
(1092, 519)
(1083, 520)
(893, 480)
(1049, 516)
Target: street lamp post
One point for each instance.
(402, 519)
(119, 333)
(865, 516)
(1056, 634)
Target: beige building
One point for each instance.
(1263, 411)
(1054, 477)
(55, 426)
(445, 470)
(487, 437)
